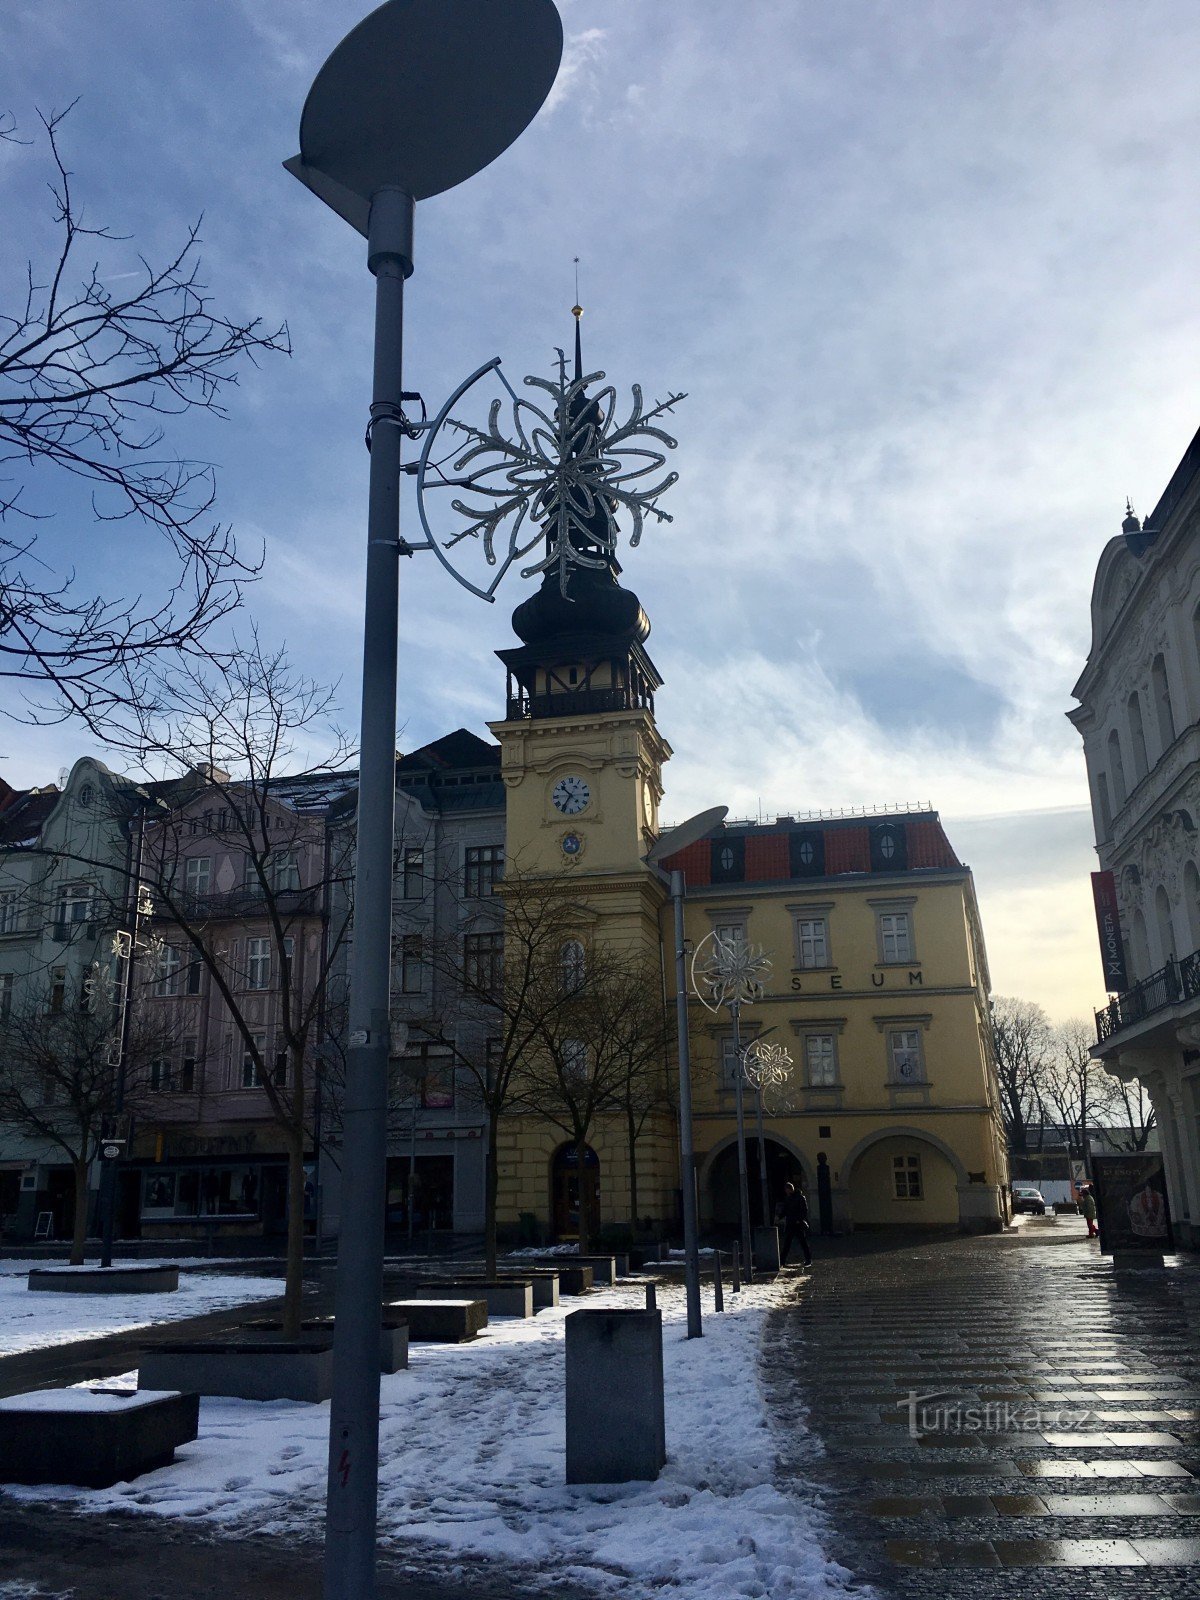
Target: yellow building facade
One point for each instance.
(878, 984)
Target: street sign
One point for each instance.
(112, 1151)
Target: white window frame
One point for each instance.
(284, 872)
(250, 1078)
(412, 872)
(829, 1060)
(258, 964)
(6, 995)
(812, 943)
(197, 876)
(10, 910)
(900, 1052)
(166, 981)
(894, 950)
(905, 1169)
(74, 905)
(412, 964)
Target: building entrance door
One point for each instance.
(566, 1188)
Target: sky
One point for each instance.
(925, 272)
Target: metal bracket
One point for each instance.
(385, 411)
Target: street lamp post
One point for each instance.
(730, 973)
(669, 844)
(766, 1066)
(416, 99)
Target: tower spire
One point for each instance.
(577, 313)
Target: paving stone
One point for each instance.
(1067, 1553)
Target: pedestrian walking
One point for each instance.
(792, 1215)
(1087, 1207)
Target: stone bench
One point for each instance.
(393, 1337)
(435, 1319)
(510, 1296)
(104, 1280)
(92, 1437)
(572, 1278)
(242, 1369)
(545, 1281)
(604, 1268)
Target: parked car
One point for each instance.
(1028, 1198)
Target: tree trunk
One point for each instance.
(631, 1134)
(491, 1190)
(294, 1285)
(79, 1232)
(585, 1186)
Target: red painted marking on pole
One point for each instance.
(344, 1468)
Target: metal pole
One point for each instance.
(763, 1187)
(108, 1172)
(353, 1483)
(687, 1154)
(735, 1012)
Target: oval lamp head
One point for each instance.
(422, 95)
(676, 839)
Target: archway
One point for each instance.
(783, 1166)
(903, 1178)
(565, 1190)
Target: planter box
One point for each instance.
(544, 1280)
(393, 1337)
(93, 1437)
(604, 1268)
(435, 1320)
(243, 1370)
(504, 1297)
(572, 1278)
(616, 1426)
(104, 1280)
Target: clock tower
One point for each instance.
(582, 758)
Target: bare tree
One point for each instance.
(629, 1030)
(231, 738)
(1022, 1037)
(1130, 1114)
(1074, 1086)
(58, 1074)
(501, 972)
(89, 375)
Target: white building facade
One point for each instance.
(1139, 717)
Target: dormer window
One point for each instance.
(806, 852)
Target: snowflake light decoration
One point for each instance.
(766, 1065)
(559, 472)
(728, 972)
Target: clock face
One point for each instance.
(648, 807)
(571, 795)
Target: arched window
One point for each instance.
(1164, 923)
(1116, 768)
(1137, 737)
(1141, 945)
(1103, 806)
(572, 965)
(1191, 895)
(575, 1060)
(1162, 702)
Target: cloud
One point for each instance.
(581, 52)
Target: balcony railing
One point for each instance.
(1178, 980)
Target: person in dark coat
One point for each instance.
(792, 1215)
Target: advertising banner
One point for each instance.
(1131, 1199)
(1108, 925)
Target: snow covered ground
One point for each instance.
(30, 1319)
(472, 1447)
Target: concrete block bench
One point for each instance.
(242, 1369)
(572, 1278)
(545, 1281)
(437, 1319)
(510, 1296)
(602, 1268)
(393, 1337)
(93, 1437)
(104, 1280)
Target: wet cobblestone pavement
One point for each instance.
(998, 1418)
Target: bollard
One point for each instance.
(651, 1298)
(737, 1273)
(616, 1429)
(718, 1287)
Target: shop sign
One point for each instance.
(1108, 926)
(1131, 1202)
